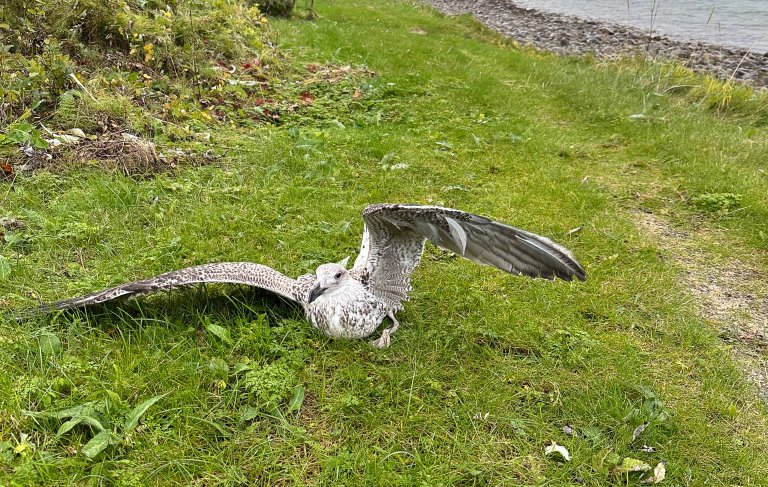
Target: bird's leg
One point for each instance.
(384, 340)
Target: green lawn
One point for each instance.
(453, 117)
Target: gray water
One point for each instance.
(734, 23)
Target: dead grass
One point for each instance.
(115, 152)
(335, 74)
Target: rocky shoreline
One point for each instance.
(565, 34)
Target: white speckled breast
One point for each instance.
(351, 312)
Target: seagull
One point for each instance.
(352, 303)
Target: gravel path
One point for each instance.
(564, 34)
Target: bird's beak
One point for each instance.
(315, 293)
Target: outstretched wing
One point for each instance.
(394, 238)
(226, 272)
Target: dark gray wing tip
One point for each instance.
(574, 270)
(563, 265)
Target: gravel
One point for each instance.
(568, 35)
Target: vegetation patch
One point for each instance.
(720, 203)
(156, 71)
(148, 85)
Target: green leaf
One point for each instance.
(80, 410)
(242, 367)
(37, 141)
(132, 418)
(97, 444)
(68, 425)
(591, 432)
(50, 344)
(220, 332)
(297, 400)
(5, 267)
(89, 420)
(219, 366)
(247, 412)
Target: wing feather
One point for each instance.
(247, 273)
(394, 240)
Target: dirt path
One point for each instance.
(731, 293)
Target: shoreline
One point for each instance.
(570, 35)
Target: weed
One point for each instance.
(111, 421)
(719, 203)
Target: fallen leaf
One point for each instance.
(659, 474)
(6, 171)
(638, 431)
(629, 465)
(559, 450)
(306, 98)
(65, 139)
(357, 95)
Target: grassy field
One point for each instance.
(486, 369)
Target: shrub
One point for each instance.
(119, 64)
(278, 8)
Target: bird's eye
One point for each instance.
(338, 275)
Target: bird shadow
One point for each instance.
(185, 306)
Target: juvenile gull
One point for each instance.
(352, 303)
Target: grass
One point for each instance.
(456, 117)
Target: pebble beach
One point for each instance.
(575, 36)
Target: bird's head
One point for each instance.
(330, 277)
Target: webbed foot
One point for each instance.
(383, 341)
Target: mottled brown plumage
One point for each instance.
(352, 304)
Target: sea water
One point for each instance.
(733, 23)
